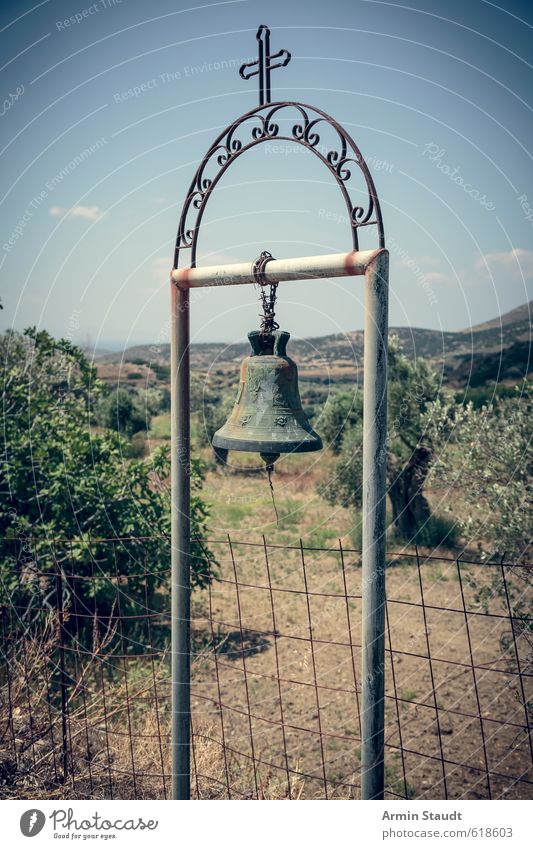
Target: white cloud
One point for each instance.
(436, 277)
(514, 265)
(425, 261)
(91, 213)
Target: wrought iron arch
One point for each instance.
(264, 126)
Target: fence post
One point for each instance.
(374, 526)
(62, 673)
(180, 541)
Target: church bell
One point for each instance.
(267, 416)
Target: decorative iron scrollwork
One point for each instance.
(342, 158)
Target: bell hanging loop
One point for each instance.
(268, 301)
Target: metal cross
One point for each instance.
(264, 65)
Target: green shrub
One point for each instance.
(137, 444)
(160, 426)
(161, 371)
(122, 410)
(68, 490)
(437, 531)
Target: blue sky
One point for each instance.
(436, 96)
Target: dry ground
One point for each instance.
(286, 705)
(321, 732)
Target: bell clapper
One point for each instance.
(269, 460)
(270, 469)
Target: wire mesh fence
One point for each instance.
(85, 689)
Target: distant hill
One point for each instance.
(495, 350)
(522, 313)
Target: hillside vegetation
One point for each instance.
(498, 350)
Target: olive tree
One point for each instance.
(485, 464)
(412, 388)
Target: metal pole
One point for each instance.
(180, 541)
(62, 677)
(374, 526)
(277, 270)
(374, 265)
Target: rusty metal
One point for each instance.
(263, 65)
(268, 301)
(263, 124)
(349, 264)
(180, 542)
(374, 527)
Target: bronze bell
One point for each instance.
(267, 416)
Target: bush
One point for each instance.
(63, 486)
(137, 445)
(483, 395)
(122, 411)
(438, 531)
(161, 371)
(342, 411)
(487, 455)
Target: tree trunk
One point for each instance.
(410, 509)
